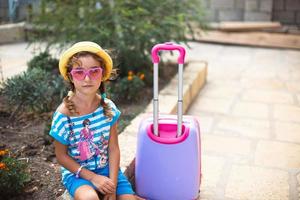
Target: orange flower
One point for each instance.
(142, 76)
(3, 152)
(130, 73)
(2, 165)
(129, 78)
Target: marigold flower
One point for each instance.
(142, 76)
(3, 152)
(2, 165)
(129, 78)
(130, 73)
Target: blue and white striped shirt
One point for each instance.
(86, 136)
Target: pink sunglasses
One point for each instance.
(93, 73)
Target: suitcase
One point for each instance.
(168, 158)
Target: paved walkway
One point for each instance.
(14, 57)
(250, 120)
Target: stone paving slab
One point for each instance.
(245, 127)
(288, 113)
(249, 109)
(212, 171)
(256, 95)
(250, 182)
(287, 131)
(278, 154)
(226, 145)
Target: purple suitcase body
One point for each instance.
(168, 161)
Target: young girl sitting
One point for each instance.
(84, 127)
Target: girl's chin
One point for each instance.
(88, 90)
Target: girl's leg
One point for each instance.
(129, 197)
(86, 192)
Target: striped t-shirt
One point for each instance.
(86, 136)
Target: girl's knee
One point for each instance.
(86, 192)
(129, 197)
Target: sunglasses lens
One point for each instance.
(78, 74)
(95, 73)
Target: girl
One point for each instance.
(84, 127)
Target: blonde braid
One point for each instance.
(70, 104)
(67, 100)
(106, 107)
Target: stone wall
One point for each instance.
(287, 11)
(3, 11)
(258, 10)
(22, 12)
(284, 11)
(238, 10)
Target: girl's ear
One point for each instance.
(70, 77)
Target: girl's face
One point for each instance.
(92, 79)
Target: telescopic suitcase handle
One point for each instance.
(155, 59)
(170, 47)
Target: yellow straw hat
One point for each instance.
(89, 47)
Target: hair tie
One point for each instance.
(103, 95)
(70, 93)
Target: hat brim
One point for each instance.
(89, 47)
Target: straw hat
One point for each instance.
(89, 47)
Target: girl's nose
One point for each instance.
(87, 78)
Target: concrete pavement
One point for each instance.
(14, 57)
(250, 120)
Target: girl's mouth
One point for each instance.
(86, 86)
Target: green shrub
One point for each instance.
(43, 61)
(131, 27)
(128, 88)
(13, 175)
(35, 91)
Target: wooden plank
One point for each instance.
(277, 40)
(248, 26)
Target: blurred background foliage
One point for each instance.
(130, 27)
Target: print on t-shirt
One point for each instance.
(87, 148)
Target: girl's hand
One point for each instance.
(110, 197)
(104, 184)
(139, 198)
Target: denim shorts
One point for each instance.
(123, 187)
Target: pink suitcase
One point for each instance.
(168, 159)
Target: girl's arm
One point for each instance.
(114, 154)
(67, 162)
(104, 184)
